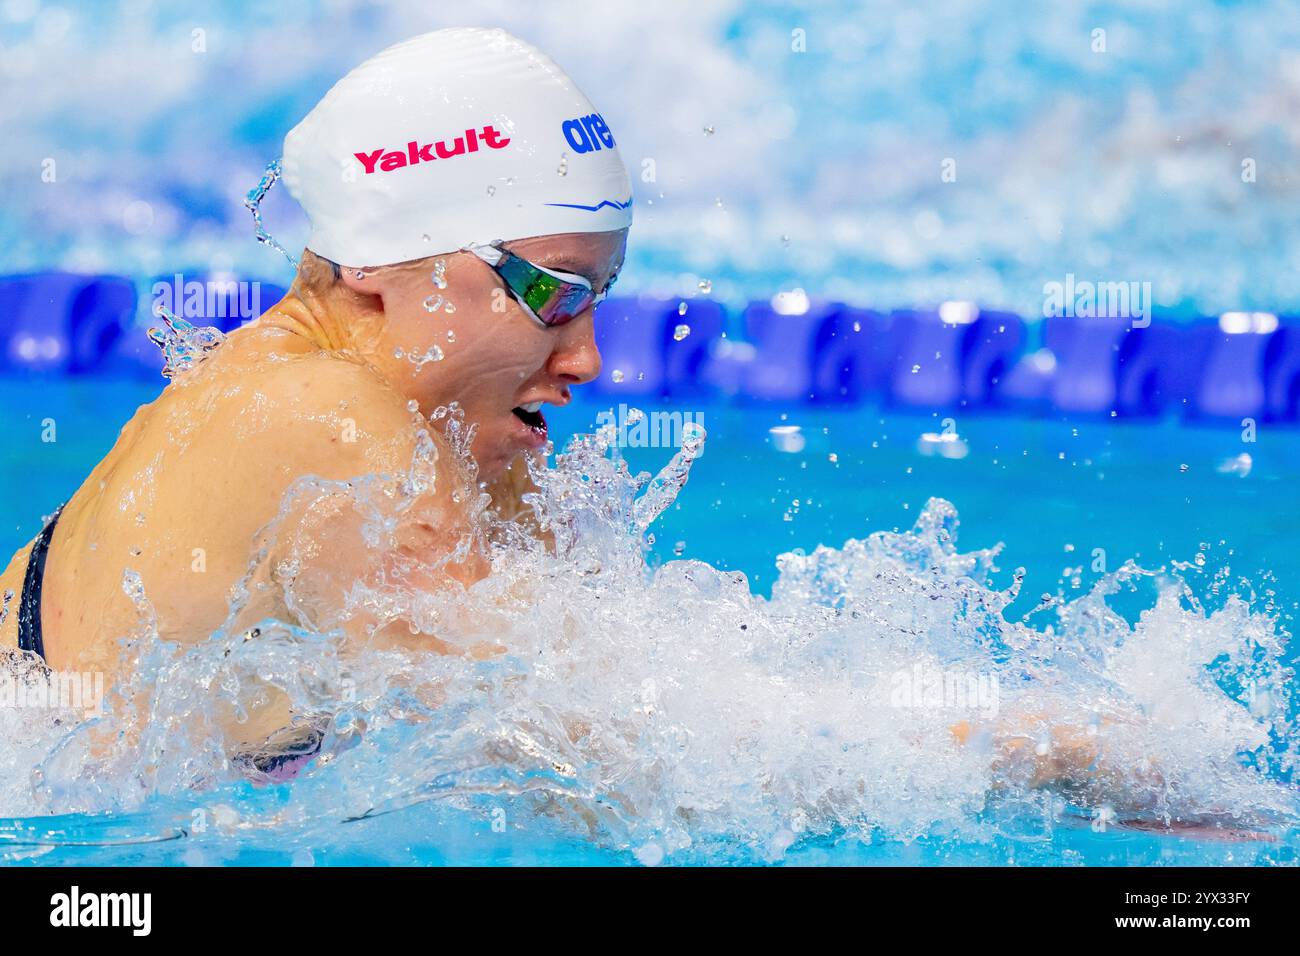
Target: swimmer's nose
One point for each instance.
(576, 359)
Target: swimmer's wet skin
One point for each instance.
(458, 260)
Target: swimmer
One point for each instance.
(466, 200)
(468, 207)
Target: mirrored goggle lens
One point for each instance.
(552, 299)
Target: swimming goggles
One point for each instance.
(551, 297)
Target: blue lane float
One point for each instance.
(953, 356)
(992, 347)
(786, 334)
(630, 337)
(1156, 370)
(1085, 372)
(1026, 387)
(854, 356)
(1233, 353)
(1282, 372)
(788, 350)
(926, 370)
(60, 323)
(689, 342)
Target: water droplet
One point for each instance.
(563, 169)
(681, 308)
(681, 332)
(253, 203)
(433, 303)
(708, 131)
(616, 375)
(432, 354)
(706, 286)
(183, 345)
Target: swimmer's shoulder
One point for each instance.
(317, 412)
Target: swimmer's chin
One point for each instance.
(495, 465)
(501, 457)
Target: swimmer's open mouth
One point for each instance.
(530, 415)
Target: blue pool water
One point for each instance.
(1052, 491)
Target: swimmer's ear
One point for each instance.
(360, 280)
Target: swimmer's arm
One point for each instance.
(294, 445)
(335, 426)
(1032, 750)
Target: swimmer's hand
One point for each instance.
(1034, 750)
(289, 751)
(1198, 830)
(284, 754)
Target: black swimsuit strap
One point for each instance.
(29, 608)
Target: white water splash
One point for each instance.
(253, 202)
(183, 344)
(669, 711)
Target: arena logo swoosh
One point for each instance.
(596, 208)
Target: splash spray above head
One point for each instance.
(454, 138)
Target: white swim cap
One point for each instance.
(453, 138)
